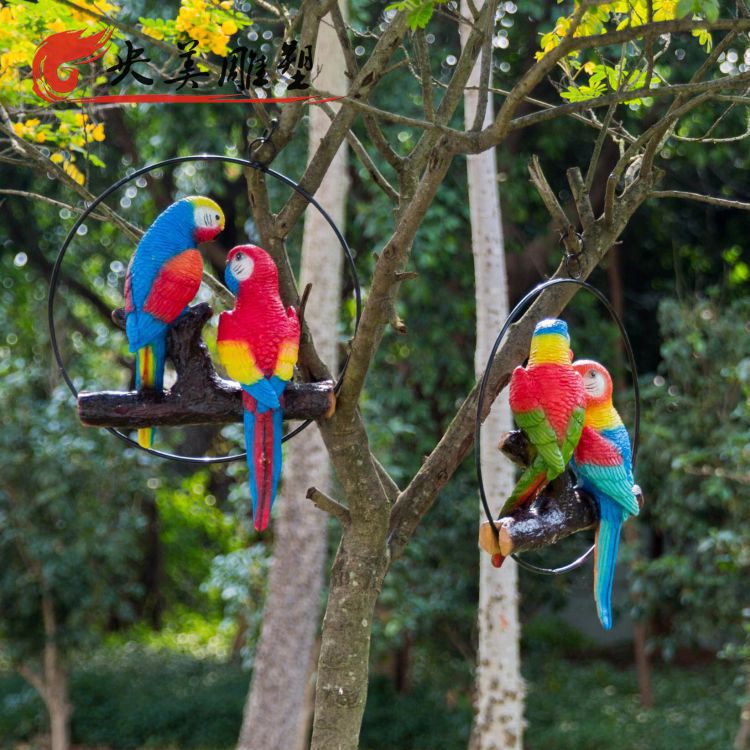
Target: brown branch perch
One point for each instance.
(199, 396)
(559, 511)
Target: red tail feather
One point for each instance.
(263, 461)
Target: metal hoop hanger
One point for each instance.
(55, 280)
(512, 318)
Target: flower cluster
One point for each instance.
(66, 132)
(211, 25)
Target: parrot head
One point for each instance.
(208, 218)
(250, 268)
(596, 381)
(550, 343)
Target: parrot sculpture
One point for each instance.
(162, 277)
(603, 464)
(547, 401)
(258, 342)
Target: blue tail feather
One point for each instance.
(607, 544)
(278, 419)
(249, 422)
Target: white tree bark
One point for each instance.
(278, 709)
(498, 722)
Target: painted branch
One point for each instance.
(559, 511)
(199, 396)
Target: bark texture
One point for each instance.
(51, 681)
(499, 688)
(279, 705)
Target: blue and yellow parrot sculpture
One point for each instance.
(603, 464)
(258, 343)
(163, 276)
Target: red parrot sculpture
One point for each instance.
(258, 343)
(548, 403)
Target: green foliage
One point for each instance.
(420, 11)
(135, 697)
(63, 530)
(595, 704)
(695, 466)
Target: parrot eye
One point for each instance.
(592, 373)
(239, 256)
(217, 217)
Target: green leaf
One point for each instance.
(686, 6)
(710, 9)
(421, 17)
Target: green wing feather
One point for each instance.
(612, 481)
(573, 435)
(534, 478)
(539, 431)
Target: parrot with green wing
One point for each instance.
(548, 403)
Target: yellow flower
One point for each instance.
(56, 158)
(19, 129)
(227, 4)
(32, 123)
(80, 118)
(229, 27)
(218, 44)
(56, 26)
(98, 132)
(153, 32)
(41, 137)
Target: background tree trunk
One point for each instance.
(499, 688)
(277, 714)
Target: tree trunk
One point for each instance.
(278, 709)
(499, 688)
(58, 708)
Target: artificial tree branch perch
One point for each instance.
(561, 510)
(199, 396)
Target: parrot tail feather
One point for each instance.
(605, 558)
(263, 446)
(149, 375)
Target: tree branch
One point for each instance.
(329, 505)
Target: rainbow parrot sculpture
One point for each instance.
(258, 343)
(603, 464)
(547, 401)
(162, 277)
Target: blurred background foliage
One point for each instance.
(158, 580)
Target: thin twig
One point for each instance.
(425, 74)
(51, 201)
(710, 199)
(364, 157)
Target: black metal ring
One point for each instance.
(512, 317)
(55, 280)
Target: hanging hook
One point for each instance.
(264, 138)
(572, 258)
